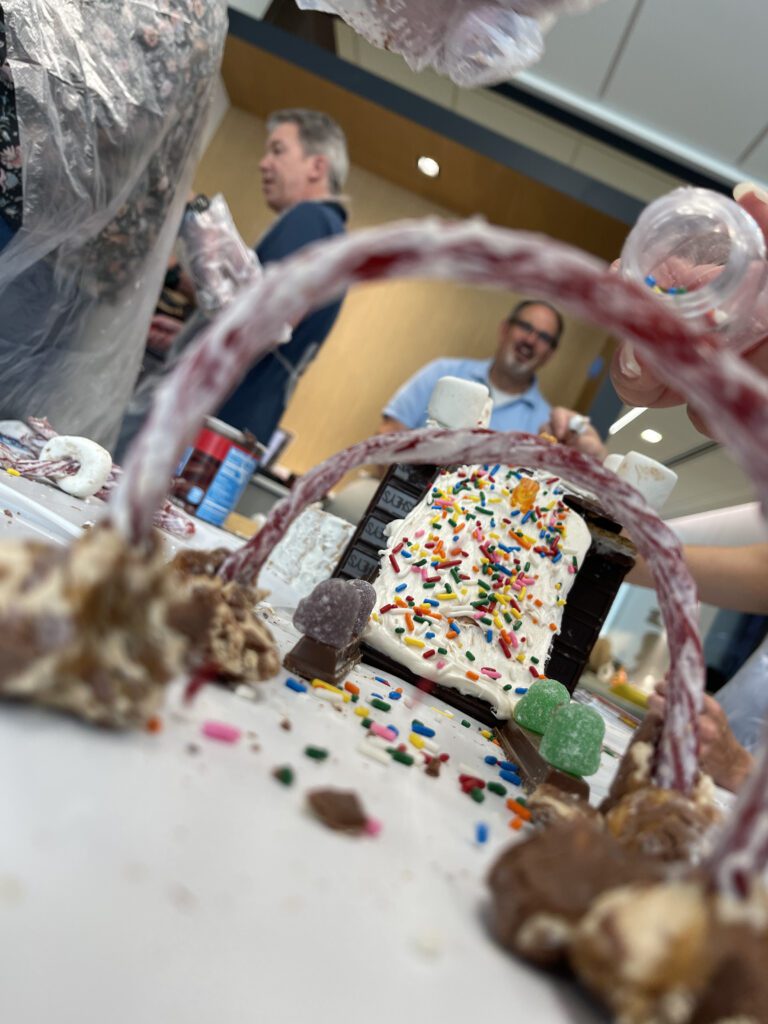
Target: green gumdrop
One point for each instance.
(534, 710)
(573, 740)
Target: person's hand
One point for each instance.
(574, 430)
(162, 333)
(721, 754)
(636, 384)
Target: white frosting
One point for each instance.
(475, 514)
(310, 549)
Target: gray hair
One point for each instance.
(320, 135)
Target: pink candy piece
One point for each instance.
(373, 826)
(221, 731)
(491, 673)
(384, 731)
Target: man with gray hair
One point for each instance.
(303, 173)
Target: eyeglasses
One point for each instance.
(548, 339)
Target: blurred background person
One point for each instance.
(527, 340)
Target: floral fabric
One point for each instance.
(10, 151)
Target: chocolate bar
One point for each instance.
(315, 660)
(522, 747)
(400, 490)
(601, 573)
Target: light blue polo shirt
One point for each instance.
(526, 412)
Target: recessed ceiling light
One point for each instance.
(651, 436)
(428, 166)
(622, 421)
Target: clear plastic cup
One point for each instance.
(701, 253)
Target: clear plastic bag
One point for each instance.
(214, 255)
(473, 42)
(111, 98)
(745, 698)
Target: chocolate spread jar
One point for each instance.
(215, 470)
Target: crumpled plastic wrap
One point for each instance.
(745, 698)
(111, 98)
(213, 253)
(473, 42)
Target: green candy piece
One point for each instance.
(534, 710)
(573, 739)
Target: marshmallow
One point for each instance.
(613, 462)
(654, 481)
(457, 403)
(95, 464)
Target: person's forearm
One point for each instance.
(734, 578)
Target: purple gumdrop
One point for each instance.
(367, 601)
(329, 613)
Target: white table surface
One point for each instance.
(141, 883)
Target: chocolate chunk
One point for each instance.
(661, 823)
(634, 769)
(313, 659)
(738, 984)
(544, 885)
(338, 809)
(550, 805)
(433, 768)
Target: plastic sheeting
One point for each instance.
(474, 42)
(111, 97)
(745, 699)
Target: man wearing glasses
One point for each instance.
(528, 339)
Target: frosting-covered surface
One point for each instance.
(474, 581)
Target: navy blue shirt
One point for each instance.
(260, 399)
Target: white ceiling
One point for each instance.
(513, 120)
(686, 76)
